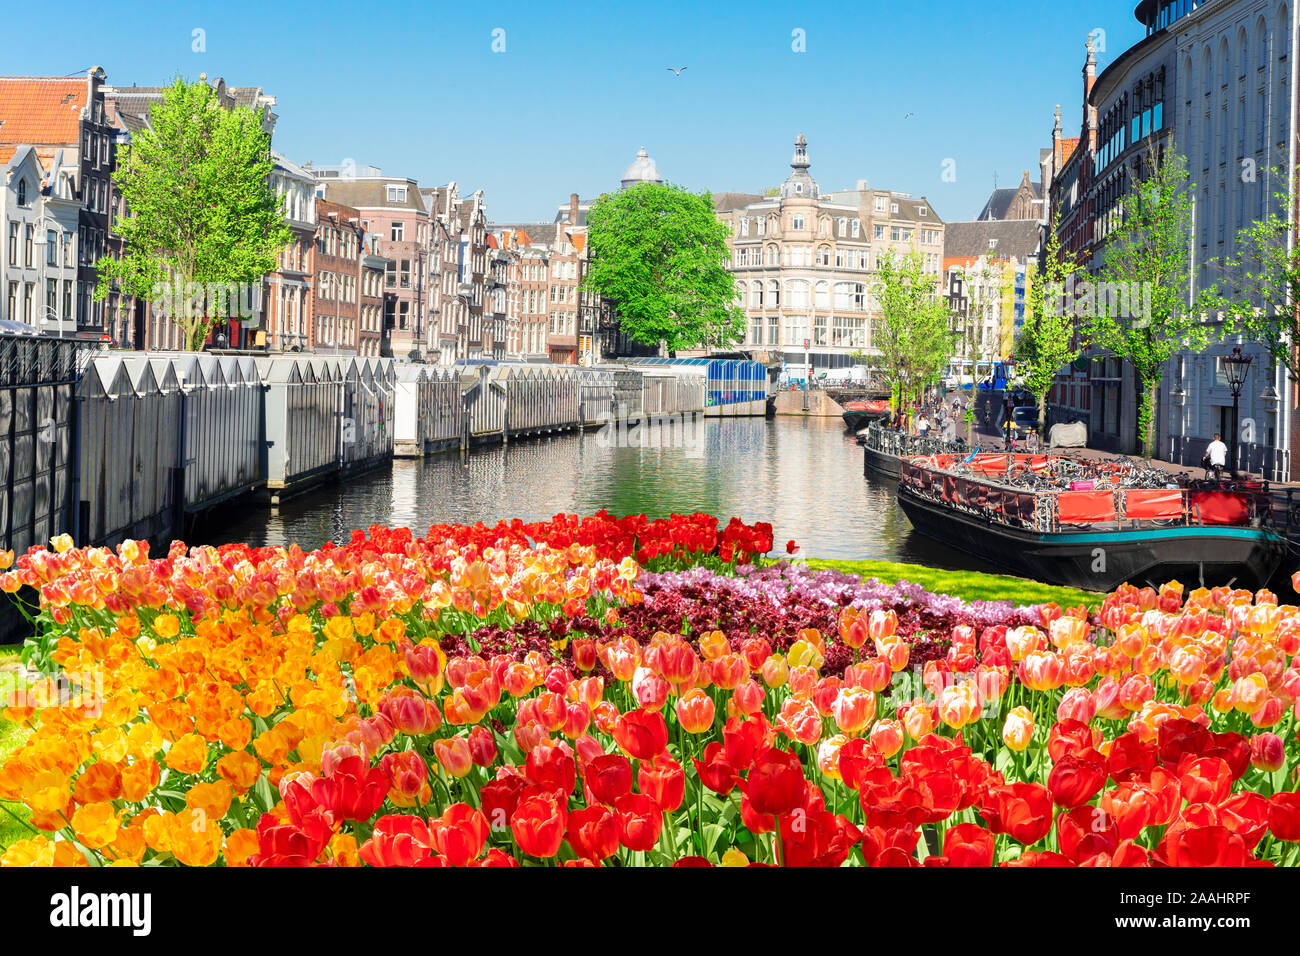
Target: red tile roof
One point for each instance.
(7, 153)
(1065, 150)
(41, 110)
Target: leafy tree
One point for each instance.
(200, 213)
(660, 255)
(1266, 271)
(1050, 338)
(913, 332)
(1147, 259)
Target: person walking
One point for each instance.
(922, 426)
(1216, 457)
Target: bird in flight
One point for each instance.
(676, 72)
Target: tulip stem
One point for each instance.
(780, 848)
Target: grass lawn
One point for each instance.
(11, 736)
(968, 585)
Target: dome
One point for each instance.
(642, 170)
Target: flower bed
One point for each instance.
(531, 694)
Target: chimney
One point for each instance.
(573, 209)
(1089, 80)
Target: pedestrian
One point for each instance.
(1216, 457)
(923, 425)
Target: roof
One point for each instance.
(7, 153)
(1065, 149)
(723, 202)
(910, 208)
(1000, 201)
(1014, 237)
(41, 110)
(371, 194)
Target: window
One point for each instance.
(893, 208)
(798, 222)
(51, 248)
(13, 243)
(744, 225)
(823, 255)
(880, 232)
(857, 228)
(397, 231)
(842, 227)
(880, 204)
(51, 299)
(397, 194)
(67, 298)
(27, 247)
(22, 192)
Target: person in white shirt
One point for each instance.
(923, 426)
(1216, 455)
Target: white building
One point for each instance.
(39, 213)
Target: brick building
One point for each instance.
(65, 122)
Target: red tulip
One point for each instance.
(551, 768)
(609, 777)
(639, 821)
(1284, 816)
(1076, 778)
(642, 734)
(968, 844)
(1084, 832)
(1204, 846)
(538, 823)
(1022, 810)
(459, 834)
(663, 781)
(397, 840)
(776, 783)
(593, 833)
(499, 799)
(482, 746)
(714, 771)
(353, 791)
(1205, 780)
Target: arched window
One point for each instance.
(796, 292)
(773, 255)
(823, 255)
(1225, 63)
(1261, 44)
(773, 294)
(1209, 71)
(1244, 51)
(823, 295)
(22, 192)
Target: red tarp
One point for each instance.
(1142, 505)
(1220, 507)
(1085, 507)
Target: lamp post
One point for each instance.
(1235, 367)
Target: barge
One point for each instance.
(859, 413)
(1031, 515)
(884, 450)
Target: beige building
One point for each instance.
(804, 262)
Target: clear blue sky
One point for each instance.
(416, 89)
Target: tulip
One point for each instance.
(917, 720)
(539, 823)
(593, 833)
(959, 705)
(408, 778)
(454, 755)
(397, 840)
(482, 746)
(608, 777)
(1267, 752)
(695, 711)
(1077, 704)
(882, 625)
(650, 689)
(775, 671)
(663, 780)
(459, 834)
(1284, 816)
(1018, 730)
(584, 654)
(1075, 779)
(854, 709)
(641, 734)
(1022, 810)
(714, 770)
(887, 737)
(968, 844)
(898, 653)
(756, 651)
(746, 699)
(728, 671)
(1042, 671)
(776, 783)
(828, 756)
(639, 821)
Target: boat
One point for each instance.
(1092, 533)
(859, 413)
(884, 450)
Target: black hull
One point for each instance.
(881, 465)
(1101, 561)
(855, 420)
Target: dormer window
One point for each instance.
(923, 211)
(397, 194)
(798, 187)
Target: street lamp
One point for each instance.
(1235, 367)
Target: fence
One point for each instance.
(37, 379)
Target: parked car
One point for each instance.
(1025, 419)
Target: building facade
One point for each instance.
(65, 123)
(804, 262)
(39, 264)
(1214, 81)
(287, 297)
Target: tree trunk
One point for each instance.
(1148, 383)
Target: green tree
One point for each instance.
(1142, 310)
(1266, 273)
(200, 213)
(1050, 338)
(660, 255)
(913, 333)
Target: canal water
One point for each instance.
(804, 476)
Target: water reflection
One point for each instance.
(804, 476)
